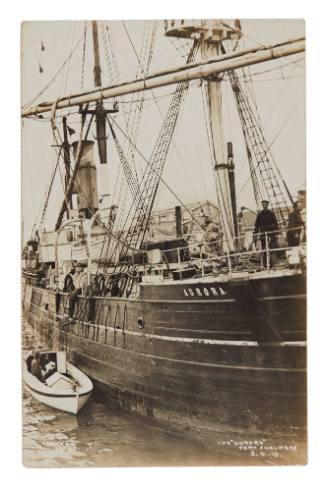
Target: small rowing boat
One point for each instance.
(59, 384)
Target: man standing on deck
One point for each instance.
(213, 237)
(295, 226)
(265, 224)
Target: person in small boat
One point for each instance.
(266, 223)
(36, 368)
(48, 367)
(29, 361)
(44, 359)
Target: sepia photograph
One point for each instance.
(163, 243)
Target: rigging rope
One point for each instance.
(259, 151)
(274, 139)
(155, 98)
(132, 117)
(119, 188)
(150, 181)
(153, 175)
(130, 177)
(144, 62)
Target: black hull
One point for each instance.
(207, 359)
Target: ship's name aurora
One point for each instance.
(204, 292)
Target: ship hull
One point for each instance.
(208, 358)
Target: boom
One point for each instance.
(192, 71)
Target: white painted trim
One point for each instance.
(280, 297)
(217, 342)
(198, 363)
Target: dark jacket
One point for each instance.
(29, 362)
(295, 219)
(36, 369)
(294, 234)
(266, 222)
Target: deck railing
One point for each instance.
(198, 255)
(216, 258)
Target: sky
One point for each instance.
(279, 88)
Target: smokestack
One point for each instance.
(178, 216)
(86, 180)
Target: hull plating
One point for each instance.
(203, 361)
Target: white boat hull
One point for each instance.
(70, 404)
(70, 400)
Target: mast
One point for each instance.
(100, 117)
(211, 34)
(66, 150)
(231, 174)
(100, 112)
(97, 67)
